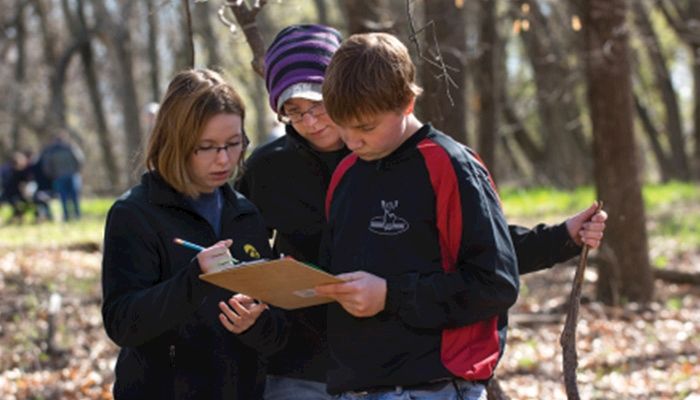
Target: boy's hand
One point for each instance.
(240, 313)
(587, 227)
(362, 294)
(215, 257)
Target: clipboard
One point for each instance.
(285, 282)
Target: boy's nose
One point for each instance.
(352, 141)
(353, 145)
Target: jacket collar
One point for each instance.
(404, 150)
(295, 140)
(161, 193)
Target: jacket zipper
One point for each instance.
(171, 354)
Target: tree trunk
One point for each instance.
(564, 146)
(531, 150)
(616, 164)
(367, 16)
(662, 76)
(55, 116)
(113, 181)
(202, 14)
(321, 11)
(184, 51)
(20, 74)
(119, 42)
(653, 135)
(684, 17)
(696, 107)
(153, 59)
(487, 84)
(445, 104)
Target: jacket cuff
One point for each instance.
(569, 248)
(397, 290)
(251, 336)
(393, 297)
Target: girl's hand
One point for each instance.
(216, 257)
(240, 313)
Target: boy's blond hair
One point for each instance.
(193, 98)
(370, 73)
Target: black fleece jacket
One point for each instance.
(164, 318)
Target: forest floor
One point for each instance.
(53, 345)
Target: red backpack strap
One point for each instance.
(338, 174)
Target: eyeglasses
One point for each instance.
(315, 111)
(211, 152)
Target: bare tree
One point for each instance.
(444, 100)
(153, 23)
(561, 130)
(653, 135)
(204, 29)
(683, 16)
(487, 82)
(116, 34)
(616, 164)
(58, 59)
(674, 126)
(79, 27)
(367, 16)
(245, 17)
(20, 74)
(322, 11)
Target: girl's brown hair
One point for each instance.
(192, 98)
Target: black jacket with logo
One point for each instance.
(287, 180)
(164, 318)
(428, 220)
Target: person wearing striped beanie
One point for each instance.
(295, 64)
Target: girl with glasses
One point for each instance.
(165, 319)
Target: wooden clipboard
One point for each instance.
(285, 283)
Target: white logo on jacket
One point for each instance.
(389, 223)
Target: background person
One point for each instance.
(61, 162)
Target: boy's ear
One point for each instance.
(410, 107)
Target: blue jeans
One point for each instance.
(447, 390)
(68, 189)
(283, 388)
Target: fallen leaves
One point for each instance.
(631, 352)
(77, 361)
(628, 353)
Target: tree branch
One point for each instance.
(437, 60)
(245, 17)
(673, 17)
(568, 335)
(677, 277)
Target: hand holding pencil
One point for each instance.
(212, 258)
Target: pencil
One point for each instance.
(197, 247)
(187, 244)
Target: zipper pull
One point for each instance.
(171, 354)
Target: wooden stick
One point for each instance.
(568, 335)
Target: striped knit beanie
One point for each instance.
(296, 62)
